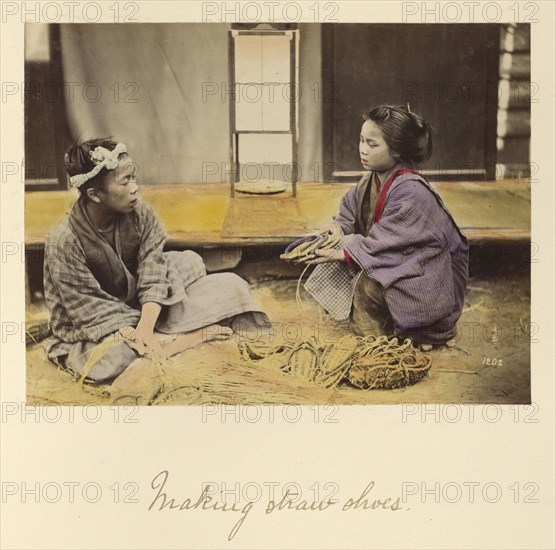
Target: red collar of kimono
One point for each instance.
(384, 191)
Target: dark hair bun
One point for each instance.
(408, 134)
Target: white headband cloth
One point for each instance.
(103, 158)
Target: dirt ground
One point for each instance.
(489, 364)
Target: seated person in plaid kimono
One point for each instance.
(403, 265)
(106, 275)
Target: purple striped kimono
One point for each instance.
(415, 252)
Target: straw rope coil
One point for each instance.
(386, 364)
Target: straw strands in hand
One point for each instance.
(303, 250)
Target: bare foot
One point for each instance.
(141, 380)
(192, 339)
(220, 332)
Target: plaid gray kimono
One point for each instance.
(83, 313)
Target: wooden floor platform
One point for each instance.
(205, 214)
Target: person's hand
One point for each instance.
(144, 342)
(334, 229)
(328, 255)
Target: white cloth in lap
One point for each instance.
(209, 299)
(332, 285)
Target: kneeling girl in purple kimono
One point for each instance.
(403, 265)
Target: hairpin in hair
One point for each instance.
(408, 107)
